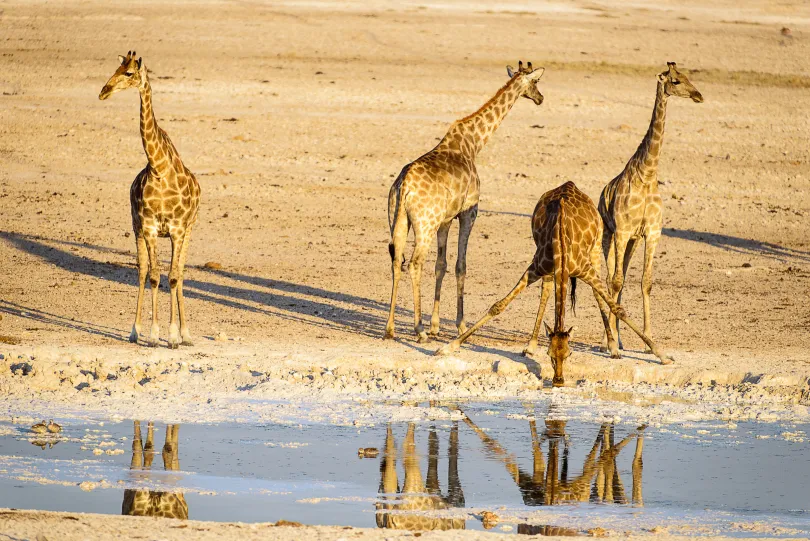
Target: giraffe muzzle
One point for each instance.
(105, 93)
(697, 97)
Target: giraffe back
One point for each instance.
(580, 225)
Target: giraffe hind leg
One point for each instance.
(441, 269)
(548, 285)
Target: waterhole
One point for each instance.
(506, 466)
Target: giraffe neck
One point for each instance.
(158, 149)
(646, 157)
(475, 130)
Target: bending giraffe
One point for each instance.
(567, 232)
(442, 186)
(418, 495)
(154, 503)
(164, 199)
(548, 483)
(630, 205)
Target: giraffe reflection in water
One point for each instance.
(548, 483)
(154, 503)
(418, 495)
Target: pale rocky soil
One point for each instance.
(296, 117)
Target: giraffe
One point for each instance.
(164, 199)
(630, 205)
(417, 495)
(567, 231)
(154, 503)
(442, 186)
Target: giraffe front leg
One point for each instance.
(154, 282)
(466, 220)
(143, 272)
(548, 286)
(174, 329)
(185, 334)
(441, 269)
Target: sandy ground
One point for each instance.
(43, 526)
(296, 117)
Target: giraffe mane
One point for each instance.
(490, 100)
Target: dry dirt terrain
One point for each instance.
(297, 116)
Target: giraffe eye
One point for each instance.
(676, 82)
(129, 74)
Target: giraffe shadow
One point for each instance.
(740, 245)
(48, 318)
(287, 301)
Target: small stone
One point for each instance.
(221, 337)
(213, 265)
(746, 265)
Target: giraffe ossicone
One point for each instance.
(442, 186)
(164, 199)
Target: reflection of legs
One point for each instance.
(548, 285)
(137, 448)
(466, 220)
(529, 277)
(441, 269)
(432, 479)
(455, 494)
(638, 466)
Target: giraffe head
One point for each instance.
(131, 73)
(527, 80)
(559, 351)
(676, 84)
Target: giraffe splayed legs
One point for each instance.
(567, 232)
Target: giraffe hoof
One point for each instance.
(187, 342)
(648, 350)
(603, 349)
(389, 335)
(433, 335)
(616, 355)
(174, 345)
(133, 337)
(528, 353)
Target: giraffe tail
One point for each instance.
(396, 208)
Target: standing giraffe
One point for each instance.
(630, 204)
(441, 186)
(164, 199)
(154, 503)
(417, 495)
(567, 231)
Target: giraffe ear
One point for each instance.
(121, 59)
(569, 330)
(140, 63)
(662, 76)
(510, 71)
(548, 329)
(536, 74)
